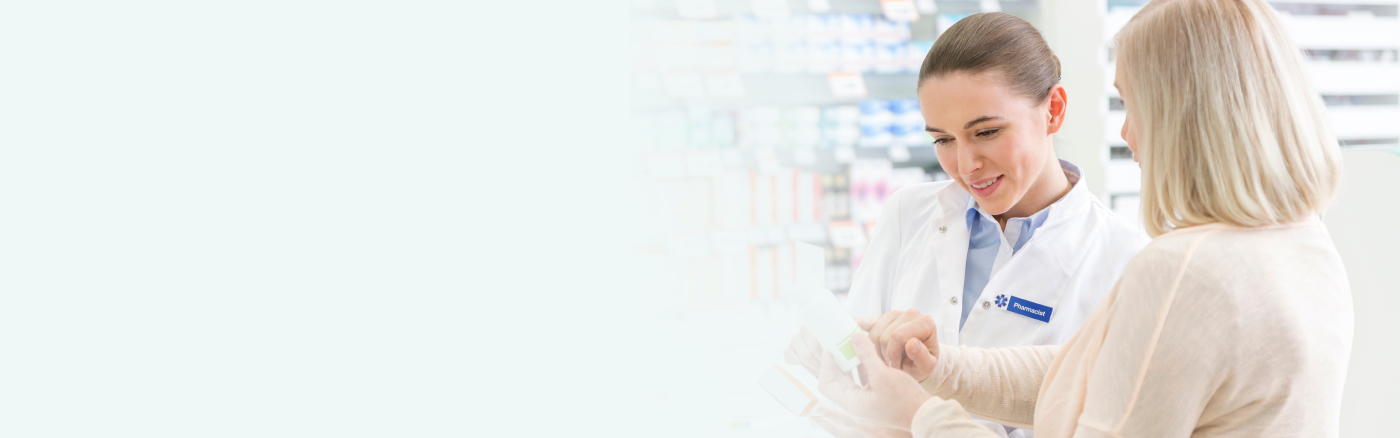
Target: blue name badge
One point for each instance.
(1029, 309)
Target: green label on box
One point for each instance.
(848, 348)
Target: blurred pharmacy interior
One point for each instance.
(760, 123)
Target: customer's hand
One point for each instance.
(889, 398)
(906, 340)
(842, 425)
(804, 350)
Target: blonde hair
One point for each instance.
(1228, 128)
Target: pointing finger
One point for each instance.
(923, 361)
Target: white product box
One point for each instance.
(784, 210)
(806, 191)
(762, 197)
(763, 274)
(784, 268)
(869, 187)
(793, 387)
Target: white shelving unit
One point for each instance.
(1352, 49)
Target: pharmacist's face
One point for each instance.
(989, 139)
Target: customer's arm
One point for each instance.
(998, 384)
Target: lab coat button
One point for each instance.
(943, 229)
(986, 304)
(954, 300)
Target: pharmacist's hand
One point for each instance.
(804, 350)
(842, 425)
(906, 340)
(889, 398)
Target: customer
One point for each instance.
(1235, 321)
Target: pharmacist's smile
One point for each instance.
(985, 186)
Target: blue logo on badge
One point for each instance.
(1001, 300)
(1029, 309)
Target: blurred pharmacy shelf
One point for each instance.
(1352, 53)
(703, 163)
(649, 92)
(733, 8)
(761, 123)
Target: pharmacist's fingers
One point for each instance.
(921, 362)
(892, 352)
(921, 329)
(882, 323)
(865, 322)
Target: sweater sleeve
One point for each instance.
(997, 384)
(946, 418)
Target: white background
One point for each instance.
(307, 218)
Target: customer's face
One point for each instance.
(1128, 134)
(991, 140)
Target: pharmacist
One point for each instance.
(1014, 249)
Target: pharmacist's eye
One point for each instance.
(940, 141)
(988, 133)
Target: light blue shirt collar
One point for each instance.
(986, 236)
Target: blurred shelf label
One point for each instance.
(804, 156)
(844, 234)
(732, 157)
(844, 154)
(665, 166)
(684, 86)
(770, 8)
(808, 232)
(727, 241)
(726, 86)
(846, 85)
(900, 10)
(703, 164)
(767, 161)
(766, 235)
(691, 245)
(927, 6)
(819, 5)
(899, 153)
(696, 9)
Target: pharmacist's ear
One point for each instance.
(1056, 109)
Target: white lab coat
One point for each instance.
(917, 259)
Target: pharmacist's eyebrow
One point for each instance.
(968, 125)
(980, 120)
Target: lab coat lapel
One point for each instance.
(950, 239)
(1040, 272)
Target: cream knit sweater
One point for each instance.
(1212, 331)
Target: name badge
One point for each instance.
(1029, 309)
